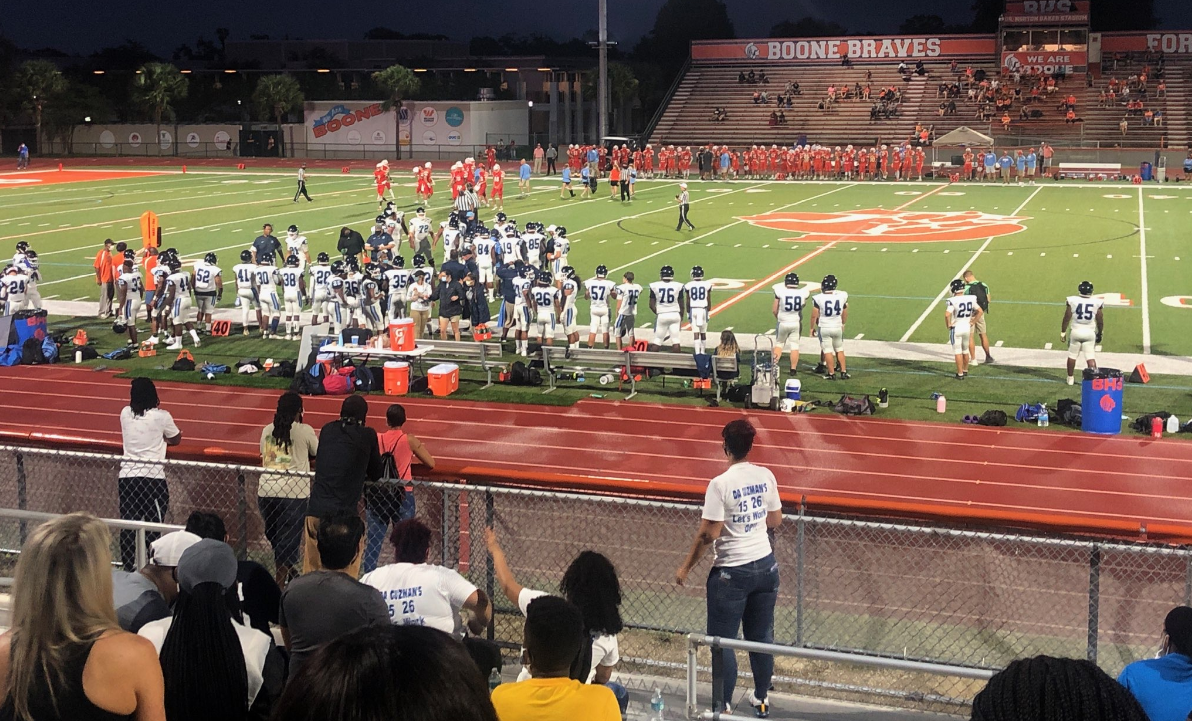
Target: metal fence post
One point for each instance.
(800, 549)
(1094, 601)
(446, 509)
(142, 551)
(242, 511)
(717, 674)
(489, 571)
(692, 686)
(22, 493)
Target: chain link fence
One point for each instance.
(893, 590)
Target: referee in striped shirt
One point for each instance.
(302, 184)
(684, 201)
(465, 207)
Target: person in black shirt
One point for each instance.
(450, 294)
(477, 301)
(265, 245)
(454, 268)
(351, 243)
(507, 274)
(348, 456)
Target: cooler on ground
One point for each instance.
(443, 379)
(794, 389)
(397, 378)
(401, 334)
(1101, 401)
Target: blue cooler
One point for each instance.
(1101, 401)
(794, 389)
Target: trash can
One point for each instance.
(1144, 171)
(1101, 401)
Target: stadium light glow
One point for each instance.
(229, 71)
(322, 70)
(97, 72)
(420, 70)
(186, 72)
(469, 70)
(545, 70)
(511, 70)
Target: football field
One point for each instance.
(893, 246)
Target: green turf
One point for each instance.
(1073, 232)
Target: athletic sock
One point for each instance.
(194, 335)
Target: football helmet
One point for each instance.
(1085, 287)
(792, 280)
(209, 259)
(697, 273)
(828, 283)
(666, 273)
(246, 256)
(601, 271)
(322, 258)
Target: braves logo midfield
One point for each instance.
(876, 225)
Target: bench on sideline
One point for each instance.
(559, 359)
(483, 355)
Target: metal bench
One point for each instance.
(484, 355)
(558, 360)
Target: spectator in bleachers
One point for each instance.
(215, 667)
(1070, 117)
(920, 69)
(1157, 120)
(773, 121)
(761, 77)
(400, 672)
(742, 586)
(757, 98)
(287, 447)
(66, 657)
(1123, 126)
(147, 595)
(590, 582)
(144, 495)
(741, 77)
(554, 639)
(347, 457)
(846, 61)
(751, 78)
(1055, 689)
(323, 605)
(1163, 685)
(258, 589)
(1006, 121)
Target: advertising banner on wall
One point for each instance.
(831, 50)
(1174, 43)
(1047, 63)
(1054, 12)
(348, 123)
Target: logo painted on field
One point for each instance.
(877, 225)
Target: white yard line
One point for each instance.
(931, 308)
(1146, 303)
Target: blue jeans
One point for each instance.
(377, 518)
(622, 695)
(744, 596)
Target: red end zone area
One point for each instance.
(1130, 487)
(33, 178)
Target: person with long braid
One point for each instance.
(1163, 685)
(287, 445)
(1044, 688)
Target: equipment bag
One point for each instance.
(338, 384)
(31, 354)
(364, 379)
(50, 349)
(10, 355)
(993, 417)
(1142, 424)
(184, 362)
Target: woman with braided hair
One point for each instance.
(1163, 685)
(1044, 688)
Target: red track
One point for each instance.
(1116, 485)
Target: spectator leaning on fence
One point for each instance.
(145, 430)
(390, 500)
(65, 658)
(400, 672)
(347, 457)
(590, 582)
(1054, 689)
(148, 594)
(324, 605)
(1163, 685)
(287, 445)
(741, 506)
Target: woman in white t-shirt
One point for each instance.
(144, 496)
(591, 583)
(741, 506)
(287, 445)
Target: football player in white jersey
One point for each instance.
(289, 277)
(337, 302)
(558, 246)
(789, 301)
(130, 292)
(598, 292)
(485, 248)
(1084, 313)
(627, 295)
(829, 313)
(513, 248)
(521, 309)
(266, 276)
(395, 219)
(448, 233)
(18, 259)
(245, 273)
(546, 307)
(569, 292)
(534, 243)
(160, 308)
(320, 275)
(33, 270)
(960, 313)
(352, 283)
(296, 246)
(699, 299)
(208, 289)
(421, 237)
(178, 287)
(666, 301)
(397, 279)
(15, 286)
(371, 311)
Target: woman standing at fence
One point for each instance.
(287, 445)
(143, 494)
(66, 657)
(740, 507)
(391, 499)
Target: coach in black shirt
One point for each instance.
(265, 246)
(348, 456)
(351, 243)
(454, 268)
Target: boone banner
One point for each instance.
(832, 50)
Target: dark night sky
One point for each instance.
(162, 26)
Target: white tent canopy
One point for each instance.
(965, 136)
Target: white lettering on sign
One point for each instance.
(859, 48)
(1170, 42)
(1040, 7)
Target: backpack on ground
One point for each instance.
(310, 381)
(282, 369)
(1142, 424)
(851, 406)
(519, 375)
(10, 355)
(1028, 412)
(1069, 412)
(216, 368)
(122, 353)
(31, 353)
(340, 383)
(184, 362)
(50, 349)
(364, 379)
(993, 417)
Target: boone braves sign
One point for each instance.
(878, 225)
(341, 116)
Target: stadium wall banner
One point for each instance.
(1047, 63)
(348, 123)
(1173, 43)
(830, 50)
(437, 123)
(1047, 11)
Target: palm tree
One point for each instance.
(399, 82)
(156, 87)
(36, 83)
(622, 89)
(275, 96)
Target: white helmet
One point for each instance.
(385, 162)
(427, 164)
(496, 166)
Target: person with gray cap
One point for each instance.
(215, 667)
(147, 595)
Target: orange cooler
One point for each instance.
(397, 378)
(401, 334)
(443, 379)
